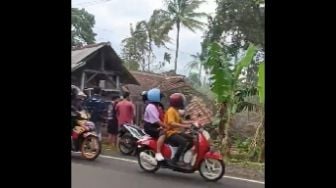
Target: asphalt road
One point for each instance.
(112, 173)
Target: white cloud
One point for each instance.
(114, 16)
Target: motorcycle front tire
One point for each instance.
(97, 153)
(126, 149)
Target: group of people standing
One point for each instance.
(119, 111)
(114, 112)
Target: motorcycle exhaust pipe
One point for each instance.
(151, 160)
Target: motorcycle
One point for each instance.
(201, 157)
(84, 139)
(128, 136)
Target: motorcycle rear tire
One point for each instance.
(122, 146)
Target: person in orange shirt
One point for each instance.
(174, 127)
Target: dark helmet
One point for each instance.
(74, 91)
(144, 96)
(177, 100)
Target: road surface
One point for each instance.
(113, 173)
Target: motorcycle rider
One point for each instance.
(144, 96)
(153, 119)
(174, 123)
(77, 107)
(74, 111)
(77, 98)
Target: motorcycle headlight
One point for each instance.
(206, 135)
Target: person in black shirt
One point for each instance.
(112, 122)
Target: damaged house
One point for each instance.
(99, 65)
(199, 106)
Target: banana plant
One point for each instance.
(257, 146)
(261, 83)
(225, 80)
(261, 88)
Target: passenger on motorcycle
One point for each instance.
(174, 124)
(153, 119)
(77, 98)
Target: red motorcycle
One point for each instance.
(84, 138)
(200, 157)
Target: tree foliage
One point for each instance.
(236, 24)
(194, 79)
(82, 24)
(180, 13)
(138, 48)
(244, 19)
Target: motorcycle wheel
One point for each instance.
(212, 169)
(145, 165)
(126, 144)
(90, 148)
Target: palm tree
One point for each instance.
(154, 29)
(196, 64)
(194, 79)
(142, 46)
(135, 47)
(181, 12)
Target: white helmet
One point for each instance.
(76, 91)
(81, 94)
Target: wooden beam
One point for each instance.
(117, 82)
(102, 60)
(108, 74)
(91, 77)
(111, 90)
(110, 79)
(112, 73)
(83, 80)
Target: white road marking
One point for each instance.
(136, 162)
(243, 179)
(118, 158)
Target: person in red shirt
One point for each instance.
(125, 110)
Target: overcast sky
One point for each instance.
(113, 18)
